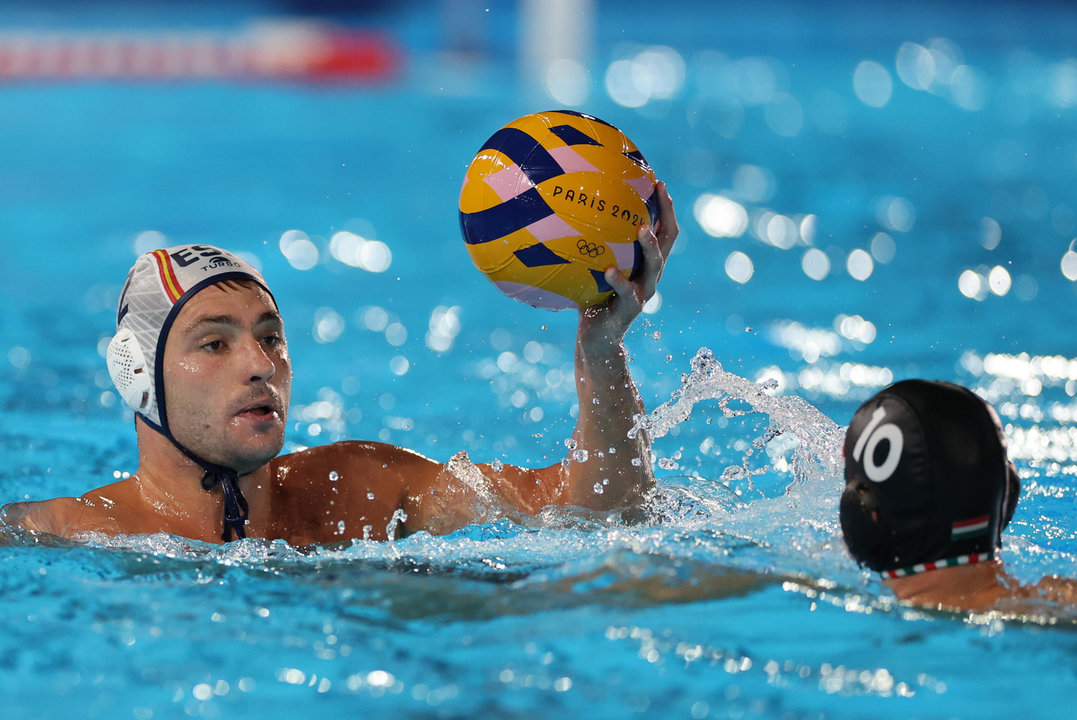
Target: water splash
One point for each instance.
(819, 439)
(399, 516)
(795, 531)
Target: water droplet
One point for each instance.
(599, 489)
(399, 516)
(370, 496)
(580, 455)
(636, 462)
(497, 466)
(333, 476)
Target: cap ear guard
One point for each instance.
(129, 370)
(868, 537)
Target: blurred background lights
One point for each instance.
(860, 265)
(939, 68)
(301, 253)
(883, 248)
(399, 365)
(990, 233)
(375, 256)
(969, 88)
(915, 66)
(784, 115)
(777, 230)
(856, 328)
(356, 251)
(807, 228)
(752, 184)
(396, 334)
(1069, 265)
(808, 343)
(623, 86)
(568, 82)
(719, 216)
(895, 214)
(149, 240)
(665, 69)
(872, 84)
(443, 328)
(328, 325)
(972, 285)
(755, 80)
(655, 73)
(1064, 83)
(815, 264)
(739, 267)
(998, 280)
(375, 319)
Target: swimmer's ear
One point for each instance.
(1010, 494)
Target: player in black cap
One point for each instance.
(928, 491)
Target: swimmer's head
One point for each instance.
(157, 287)
(927, 480)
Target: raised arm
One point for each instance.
(609, 466)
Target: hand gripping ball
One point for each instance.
(552, 200)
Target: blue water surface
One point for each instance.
(865, 194)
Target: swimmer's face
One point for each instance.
(228, 377)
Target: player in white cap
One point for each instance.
(200, 355)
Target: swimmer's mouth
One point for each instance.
(262, 408)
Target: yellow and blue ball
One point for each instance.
(552, 200)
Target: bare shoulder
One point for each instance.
(370, 458)
(322, 493)
(63, 516)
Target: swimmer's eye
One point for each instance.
(272, 340)
(213, 345)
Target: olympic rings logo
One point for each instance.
(589, 248)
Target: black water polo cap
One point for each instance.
(927, 480)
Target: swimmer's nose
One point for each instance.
(261, 365)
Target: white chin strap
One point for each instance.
(131, 374)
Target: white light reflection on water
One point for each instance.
(859, 264)
(1034, 394)
(443, 328)
(872, 84)
(739, 267)
(719, 216)
(1068, 265)
(297, 247)
(810, 344)
(654, 73)
(815, 264)
(568, 82)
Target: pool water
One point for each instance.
(864, 195)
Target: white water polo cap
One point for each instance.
(157, 287)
